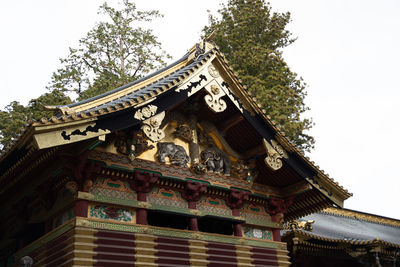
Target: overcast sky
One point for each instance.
(347, 52)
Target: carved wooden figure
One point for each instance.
(176, 154)
(216, 160)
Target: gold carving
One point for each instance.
(213, 71)
(214, 98)
(145, 112)
(85, 195)
(196, 236)
(279, 149)
(242, 241)
(274, 154)
(195, 212)
(145, 205)
(299, 225)
(82, 222)
(151, 127)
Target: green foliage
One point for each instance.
(252, 37)
(15, 115)
(112, 54)
(12, 118)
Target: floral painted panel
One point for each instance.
(111, 213)
(257, 233)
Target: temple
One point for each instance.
(342, 237)
(180, 168)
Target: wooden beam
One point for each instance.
(255, 151)
(232, 121)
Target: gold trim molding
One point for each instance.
(363, 216)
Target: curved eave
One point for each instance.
(123, 90)
(114, 101)
(334, 188)
(308, 235)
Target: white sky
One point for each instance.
(347, 52)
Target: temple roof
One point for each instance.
(111, 111)
(347, 226)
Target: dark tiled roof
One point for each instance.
(185, 57)
(352, 228)
(147, 90)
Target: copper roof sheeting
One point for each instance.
(351, 227)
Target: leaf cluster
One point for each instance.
(15, 116)
(113, 53)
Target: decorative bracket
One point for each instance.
(192, 192)
(236, 200)
(145, 112)
(151, 127)
(275, 153)
(214, 98)
(143, 183)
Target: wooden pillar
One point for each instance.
(142, 184)
(81, 208)
(235, 202)
(277, 209)
(192, 193)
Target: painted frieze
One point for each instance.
(213, 206)
(254, 214)
(166, 198)
(110, 188)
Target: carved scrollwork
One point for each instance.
(213, 71)
(214, 98)
(184, 132)
(145, 112)
(151, 127)
(299, 225)
(274, 154)
(131, 143)
(245, 170)
(278, 148)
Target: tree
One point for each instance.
(15, 115)
(252, 37)
(112, 54)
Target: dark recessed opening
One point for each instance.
(164, 219)
(215, 225)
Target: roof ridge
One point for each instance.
(350, 241)
(352, 214)
(127, 85)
